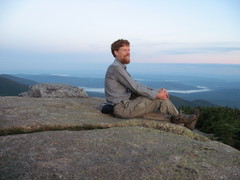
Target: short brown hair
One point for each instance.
(117, 44)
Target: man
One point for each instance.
(131, 99)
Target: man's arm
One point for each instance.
(126, 80)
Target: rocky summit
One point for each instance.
(69, 138)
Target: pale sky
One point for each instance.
(36, 32)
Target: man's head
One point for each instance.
(121, 50)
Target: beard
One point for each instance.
(126, 60)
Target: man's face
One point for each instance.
(123, 54)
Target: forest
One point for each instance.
(222, 122)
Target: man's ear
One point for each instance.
(116, 53)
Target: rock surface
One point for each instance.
(52, 90)
(69, 138)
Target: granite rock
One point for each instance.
(69, 138)
(52, 90)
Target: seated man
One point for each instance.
(130, 98)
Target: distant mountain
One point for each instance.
(69, 80)
(178, 102)
(203, 103)
(9, 87)
(99, 83)
(19, 80)
(95, 94)
(222, 97)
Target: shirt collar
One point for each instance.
(121, 64)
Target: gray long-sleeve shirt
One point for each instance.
(119, 84)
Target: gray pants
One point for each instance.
(141, 106)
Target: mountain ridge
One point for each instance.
(77, 81)
(9, 87)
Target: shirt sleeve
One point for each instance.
(125, 79)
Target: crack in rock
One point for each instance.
(166, 127)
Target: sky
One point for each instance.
(48, 34)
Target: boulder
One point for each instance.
(55, 91)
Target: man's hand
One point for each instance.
(163, 94)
